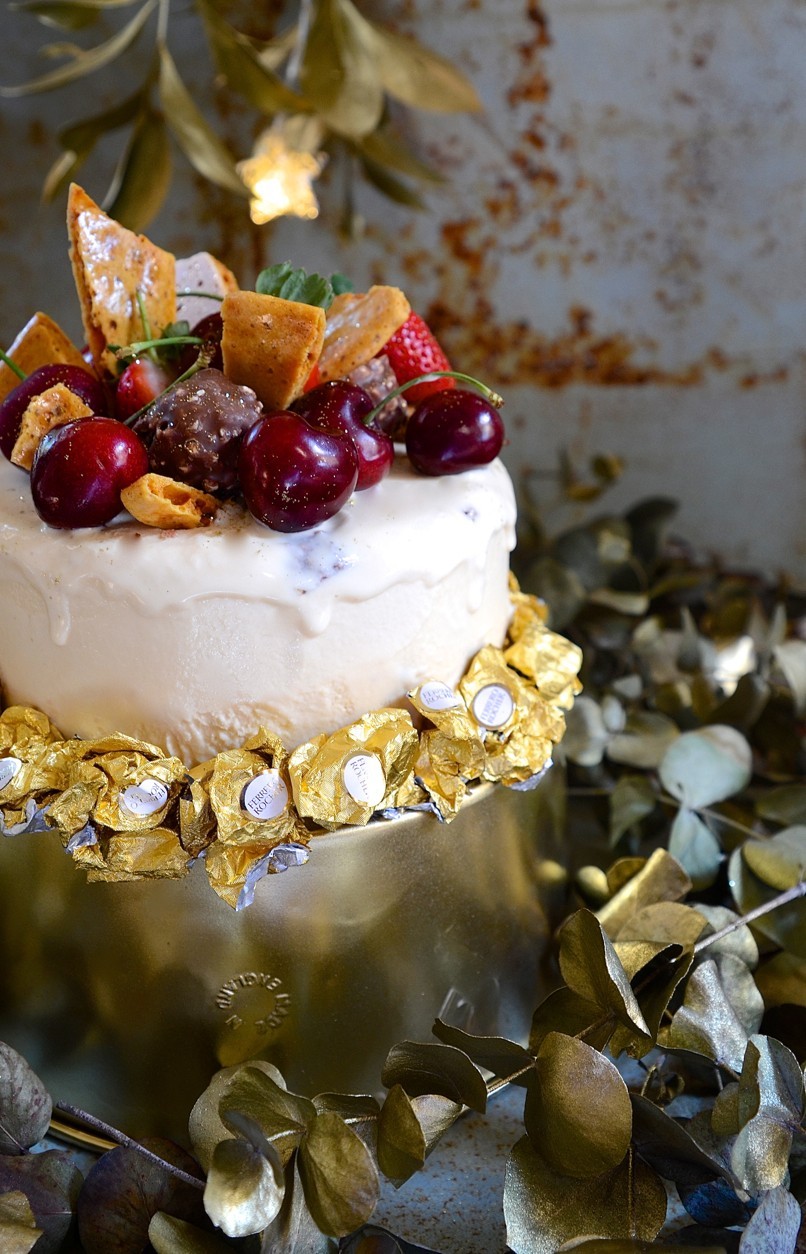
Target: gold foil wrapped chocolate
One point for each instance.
(363, 768)
(126, 811)
(451, 752)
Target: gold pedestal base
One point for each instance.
(127, 997)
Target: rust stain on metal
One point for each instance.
(532, 84)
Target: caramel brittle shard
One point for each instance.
(358, 326)
(52, 408)
(159, 501)
(270, 344)
(41, 342)
(111, 266)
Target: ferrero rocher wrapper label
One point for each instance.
(346, 777)
(125, 810)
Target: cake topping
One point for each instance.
(41, 342)
(358, 327)
(52, 408)
(80, 470)
(77, 378)
(270, 344)
(158, 501)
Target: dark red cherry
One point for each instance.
(209, 329)
(38, 381)
(80, 470)
(453, 431)
(293, 475)
(341, 407)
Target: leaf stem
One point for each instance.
(495, 1086)
(12, 365)
(791, 894)
(120, 1138)
(145, 346)
(204, 358)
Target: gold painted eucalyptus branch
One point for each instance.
(332, 74)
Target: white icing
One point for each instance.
(192, 639)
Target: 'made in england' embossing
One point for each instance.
(254, 998)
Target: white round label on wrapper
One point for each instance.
(8, 769)
(438, 696)
(493, 706)
(364, 778)
(265, 796)
(144, 798)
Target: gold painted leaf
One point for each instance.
(543, 1209)
(205, 1126)
(24, 1102)
(143, 175)
(591, 969)
(401, 1140)
(661, 879)
(436, 1115)
(279, 1114)
(244, 1189)
(774, 1225)
(79, 139)
(565, 1011)
(338, 1175)
(360, 1112)
(578, 1111)
(666, 1146)
(786, 805)
(779, 861)
(705, 766)
(786, 924)
(740, 942)
(421, 78)
(246, 71)
(339, 72)
(770, 1110)
(427, 1067)
(645, 740)
(496, 1054)
(169, 1235)
(639, 1247)
(86, 62)
(695, 847)
(621, 872)
(389, 184)
(389, 150)
(782, 980)
(654, 970)
(667, 922)
(18, 1230)
(632, 800)
(197, 139)
(721, 1009)
(293, 1231)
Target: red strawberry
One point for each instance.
(313, 378)
(412, 351)
(140, 383)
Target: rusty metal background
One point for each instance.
(620, 245)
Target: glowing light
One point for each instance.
(279, 178)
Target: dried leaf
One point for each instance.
(360, 1112)
(779, 861)
(389, 184)
(666, 1145)
(339, 72)
(245, 1187)
(661, 879)
(654, 971)
(245, 70)
(174, 1236)
(666, 922)
(420, 78)
(782, 980)
(770, 1109)
(18, 1230)
(197, 139)
(143, 175)
(294, 1230)
(565, 1011)
(578, 1112)
(773, 1228)
(543, 1209)
(278, 1113)
(205, 1126)
(785, 805)
(645, 740)
(84, 63)
(786, 924)
(790, 657)
(586, 735)
(721, 1009)
(591, 969)
(122, 1192)
(496, 1054)
(695, 847)
(715, 1204)
(338, 1175)
(51, 1182)
(25, 1105)
(427, 1067)
(386, 149)
(706, 766)
(632, 799)
(401, 1140)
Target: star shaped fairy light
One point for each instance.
(279, 178)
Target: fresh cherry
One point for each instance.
(138, 385)
(38, 381)
(80, 470)
(210, 330)
(453, 431)
(340, 408)
(293, 475)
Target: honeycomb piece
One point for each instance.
(358, 326)
(52, 408)
(159, 501)
(270, 344)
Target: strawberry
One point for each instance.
(412, 351)
(140, 383)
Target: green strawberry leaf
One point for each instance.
(294, 283)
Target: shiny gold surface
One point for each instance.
(126, 997)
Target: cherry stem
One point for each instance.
(204, 358)
(191, 291)
(143, 346)
(120, 1138)
(12, 365)
(488, 394)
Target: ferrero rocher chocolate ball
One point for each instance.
(193, 432)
